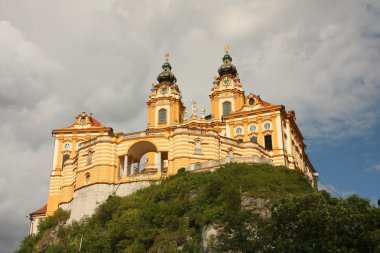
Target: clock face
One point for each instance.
(226, 82)
(164, 89)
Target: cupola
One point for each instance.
(227, 67)
(166, 74)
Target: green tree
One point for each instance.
(319, 223)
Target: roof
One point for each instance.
(84, 123)
(95, 122)
(42, 210)
(265, 103)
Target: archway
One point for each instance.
(142, 158)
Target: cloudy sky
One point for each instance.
(59, 58)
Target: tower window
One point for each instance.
(65, 158)
(89, 157)
(226, 108)
(162, 116)
(267, 126)
(268, 142)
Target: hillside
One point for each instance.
(241, 208)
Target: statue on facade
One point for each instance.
(185, 114)
(194, 107)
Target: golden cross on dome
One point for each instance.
(226, 48)
(167, 56)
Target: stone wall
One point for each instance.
(87, 199)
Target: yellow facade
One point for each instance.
(239, 129)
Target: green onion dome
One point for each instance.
(227, 67)
(166, 74)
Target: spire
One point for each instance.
(166, 75)
(227, 67)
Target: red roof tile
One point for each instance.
(42, 210)
(96, 122)
(265, 103)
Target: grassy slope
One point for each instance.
(171, 215)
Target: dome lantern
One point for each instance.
(227, 67)
(166, 74)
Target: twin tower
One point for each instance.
(165, 108)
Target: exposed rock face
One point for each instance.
(259, 206)
(210, 232)
(50, 237)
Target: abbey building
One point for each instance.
(90, 161)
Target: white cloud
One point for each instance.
(58, 59)
(373, 168)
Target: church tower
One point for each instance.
(165, 107)
(227, 93)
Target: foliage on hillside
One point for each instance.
(31, 242)
(313, 222)
(169, 217)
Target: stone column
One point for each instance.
(159, 162)
(125, 169)
(132, 169)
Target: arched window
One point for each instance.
(267, 126)
(252, 128)
(198, 147)
(87, 178)
(65, 158)
(89, 157)
(162, 116)
(78, 145)
(226, 108)
(268, 141)
(238, 130)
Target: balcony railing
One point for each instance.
(143, 134)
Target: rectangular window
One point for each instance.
(268, 142)
(254, 139)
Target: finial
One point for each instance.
(167, 56)
(226, 48)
